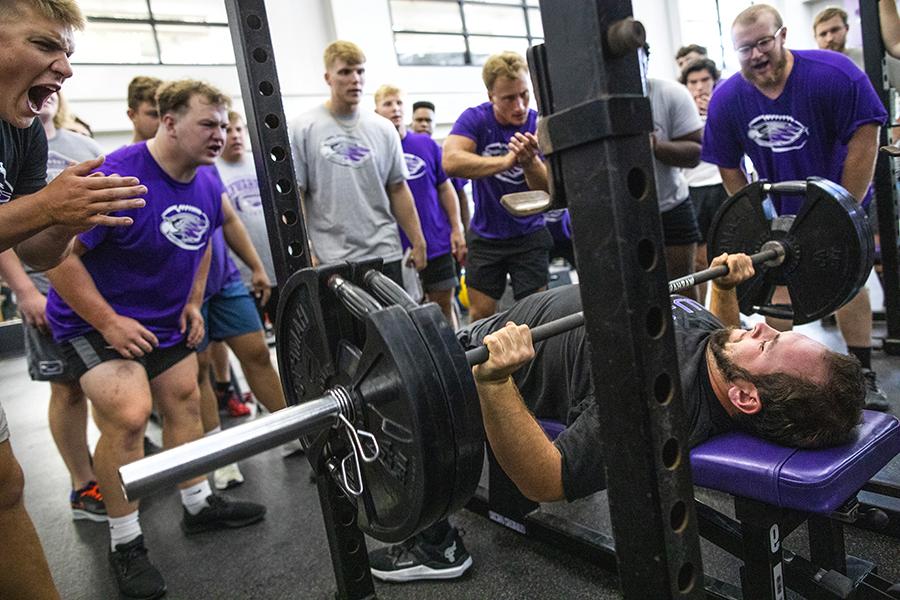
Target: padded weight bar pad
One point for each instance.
(816, 481)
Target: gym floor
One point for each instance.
(286, 556)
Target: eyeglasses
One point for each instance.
(763, 45)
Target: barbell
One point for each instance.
(383, 392)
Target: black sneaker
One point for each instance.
(221, 514)
(135, 575)
(87, 504)
(875, 398)
(416, 559)
(150, 448)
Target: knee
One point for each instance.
(130, 424)
(180, 402)
(258, 356)
(12, 482)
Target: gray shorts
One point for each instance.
(46, 361)
(4, 426)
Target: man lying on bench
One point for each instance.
(784, 387)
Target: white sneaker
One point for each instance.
(291, 448)
(227, 477)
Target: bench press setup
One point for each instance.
(383, 396)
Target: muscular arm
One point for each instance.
(450, 204)
(532, 462)
(681, 152)
(723, 302)
(733, 180)
(890, 26)
(460, 159)
(859, 166)
(404, 209)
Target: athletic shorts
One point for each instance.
(525, 258)
(680, 225)
(229, 313)
(87, 351)
(440, 274)
(706, 200)
(46, 361)
(394, 270)
(4, 426)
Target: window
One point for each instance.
(154, 32)
(708, 23)
(462, 32)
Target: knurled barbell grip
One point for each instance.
(478, 355)
(199, 457)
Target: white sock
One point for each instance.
(194, 497)
(123, 529)
(216, 429)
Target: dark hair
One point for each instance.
(828, 14)
(142, 89)
(796, 411)
(701, 64)
(423, 104)
(685, 50)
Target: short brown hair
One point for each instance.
(174, 96)
(506, 64)
(66, 12)
(751, 15)
(142, 89)
(828, 14)
(701, 64)
(386, 90)
(685, 50)
(349, 52)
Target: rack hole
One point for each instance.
(260, 55)
(266, 88)
(662, 388)
(678, 517)
(654, 322)
(686, 578)
(289, 218)
(671, 453)
(254, 22)
(272, 121)
(284, 186)
(646, 254)
(637, 183)
(295, 249)
(277, 154)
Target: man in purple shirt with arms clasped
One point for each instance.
(125, 307)
(798, 114)
(493, 144)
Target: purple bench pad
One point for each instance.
(816, 481)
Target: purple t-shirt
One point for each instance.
(802, 133)
(490, 219)
(423, 160)
(222, 270)
(146, 271)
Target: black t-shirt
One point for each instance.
(23, 160)
(557, 383)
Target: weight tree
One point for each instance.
(597, 126)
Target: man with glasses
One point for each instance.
(797, 114)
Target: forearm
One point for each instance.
(199, 286)
(238, 239)
(462, 163)
(47, 248)
(403, 208)
(464, 215)
(677, 153)
(733, 180)
(450, 203)
(890, 26)
(859, 166)
(12, 272)
(536, 175)
(520, 445)
(74, 284)
(724, 305)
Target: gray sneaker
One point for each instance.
(875, 398)
(416, 559)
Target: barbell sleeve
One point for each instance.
(199, 457)
(774, 251)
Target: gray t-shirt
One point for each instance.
(65, 148)
(674, 115)
(342, 169)
(242, 188)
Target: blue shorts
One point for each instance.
(229, 313)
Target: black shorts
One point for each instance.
(525, 258)
(85, 352)
(680, 225)
(706, 200)
(440, 274)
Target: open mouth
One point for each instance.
(38, 94)
(215, 149)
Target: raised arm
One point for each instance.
(723, 302)
(523, 450)
(460, 159)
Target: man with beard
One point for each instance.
(798, 114)
(783, 387)
(830, 28)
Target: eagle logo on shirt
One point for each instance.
(415, 165)
(514, 176)
(186, 226)
(345, 150)
(6, 190)
(244, 194)
(781, 133)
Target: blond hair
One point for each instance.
(751, 15)
(506, 64)
(66, 12)
(174, 96)
(234, 116)
(385, 91)
(349, 52)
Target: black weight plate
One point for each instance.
(464, 409)
(832, 241)
(404, 407)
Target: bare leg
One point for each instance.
(256, 362)
(444, 299)
(68, 414)
(218, 353)
(701, 262)
(780, 296)
(209, 406)
(855, 320)
(24, 573)
(480, 305)
(679, 262)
